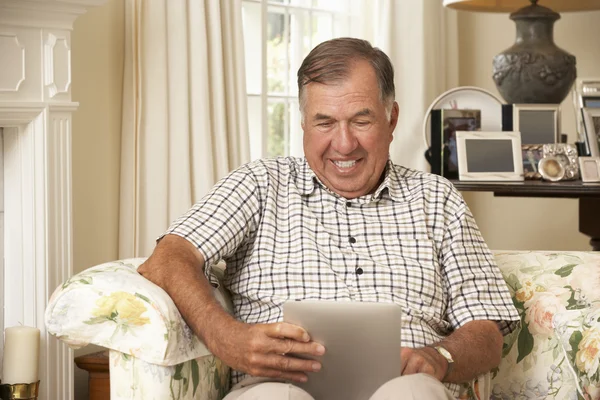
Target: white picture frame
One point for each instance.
(589, 168)
(489, 156)
(591, 124)
(528, 118)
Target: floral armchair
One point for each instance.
(555, 354)
(154, 355)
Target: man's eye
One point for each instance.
(362, 123)
(324, 124)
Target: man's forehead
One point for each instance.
(360, 113)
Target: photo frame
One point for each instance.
(586, 92)
(532, 154)
(590, 169)
(442, 154)
(453, 121)
(591, 124)
(538, 123)
(489, 156)
(566, 155)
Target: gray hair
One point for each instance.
(330, 62)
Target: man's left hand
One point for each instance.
(423, 360)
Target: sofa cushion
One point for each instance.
(542, 285)
(113, 306)
(578, 332)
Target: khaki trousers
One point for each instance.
(410, 387)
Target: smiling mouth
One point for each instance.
(345, 164)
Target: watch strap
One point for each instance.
(446, 354)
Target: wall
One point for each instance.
(97, 61)
(526, 223)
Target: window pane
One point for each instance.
(255, 127)
(277, 135)
(333, 5)
(251, 17)
(299, 45)
(322, 28)
(301, 3)
(296, 134)
(277, 50)
(341, 26)
(292, 28)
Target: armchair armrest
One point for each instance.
(113, 306)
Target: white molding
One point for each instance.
(13, 114)
(12, 64)
(54, 14)
(52, 58)
(36, 116)
(38, 234)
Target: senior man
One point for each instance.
(343, 223)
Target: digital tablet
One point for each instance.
(362, 345)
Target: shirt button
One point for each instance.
(348, 204)
(359, 271)
(352, 240)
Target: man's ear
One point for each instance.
(394, 115)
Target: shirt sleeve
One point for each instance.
(219, 223)
(475, 286)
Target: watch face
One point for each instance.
(445, 353)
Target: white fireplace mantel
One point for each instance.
(35, 114)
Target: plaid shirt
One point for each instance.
(285, 236)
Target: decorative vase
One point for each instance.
(534, 69)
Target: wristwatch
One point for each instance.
(446, 354)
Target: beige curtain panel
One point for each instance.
(184, 111)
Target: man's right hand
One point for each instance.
(266, 350)
(259, 350)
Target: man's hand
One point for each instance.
(264, 349)
(423, 360)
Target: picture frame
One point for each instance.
(444, 124)
(587, 92)
(538, 123)
(590, 169)
(489, 156)
(591, 124)
(566, 155)
(532, 154)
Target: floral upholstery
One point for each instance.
(579, 334)
(155, 356)
(205, 378)
(544, 285)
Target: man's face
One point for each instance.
(347, 134)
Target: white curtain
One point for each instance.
(421, 38)
(184, 111)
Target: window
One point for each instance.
(274, 51)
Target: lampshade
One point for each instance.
(514, 5)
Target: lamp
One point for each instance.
(534, 69)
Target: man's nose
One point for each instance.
(344, 140)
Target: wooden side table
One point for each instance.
(96, 364)
(587, 193)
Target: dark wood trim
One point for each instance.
(567, 189)
(587, 193)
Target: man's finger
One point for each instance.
(416, 364)
(287, 346)
(287, 363)
(286, 330)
